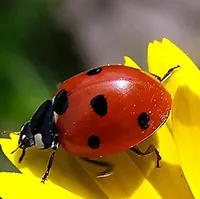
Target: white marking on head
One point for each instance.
(38, 141)
(23, 137)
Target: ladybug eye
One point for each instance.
(143, 121)
(60, 103)
(93, 142)
(94, 71)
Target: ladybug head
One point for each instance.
(26, 139)
(39, 131)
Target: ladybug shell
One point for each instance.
(110, 109)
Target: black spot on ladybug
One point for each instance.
(93, 142)
(94, 71)
(60, 104)
(99, 105)
(143, 120)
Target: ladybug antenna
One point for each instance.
(15, 150)
(23, 152)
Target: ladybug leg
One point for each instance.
(167, 74)
(157, 77)
(150, 150)
(54, 146)
(107, 172)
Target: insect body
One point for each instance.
(98, 112)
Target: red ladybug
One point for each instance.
(98, 112)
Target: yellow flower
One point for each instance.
(134, 177)
(184, 123)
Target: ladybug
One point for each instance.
(98, 112)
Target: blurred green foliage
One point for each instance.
(6, 165)
(34, 56)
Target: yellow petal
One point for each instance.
(127, 180)
(66, 172)
(75, 176)
(168, 180)
(186, 132)
(18, 186)
(129, 62)
(162, 56)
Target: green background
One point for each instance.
(35, 55)
(37, 52)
